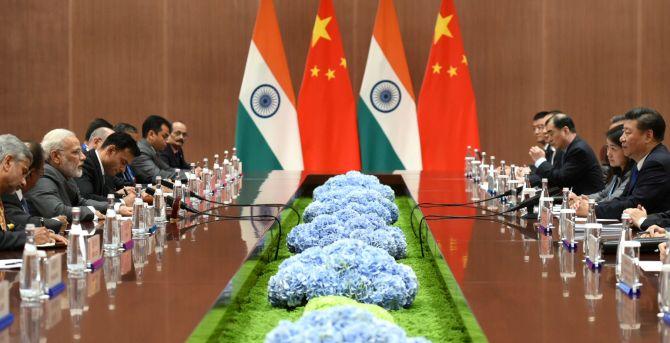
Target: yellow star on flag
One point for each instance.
(315, 71)
(451, 71)
(330, 74)
(320, 29)
(464, 60)
(441, 28)
(343, 62)
(436, 68)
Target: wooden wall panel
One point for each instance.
(33, 67)
(207, 47)
(185, 59)
(118, 61)
(503, 43)
(591, 62)
(654, 55)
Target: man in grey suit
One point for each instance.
(148, 165)
(15, 161)
(56, 192)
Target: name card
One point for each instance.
(54, 275)
(93, 248)
(593, 255)
(126, 231)
(93, 282)
(126, 262)
(630, 282)
(6, 318)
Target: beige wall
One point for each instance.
(64, 62)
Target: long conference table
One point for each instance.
(519, 285)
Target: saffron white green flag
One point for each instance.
(387, 121)
(267, 136)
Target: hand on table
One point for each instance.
(636, 214)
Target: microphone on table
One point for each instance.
(530, 203)
(170, 200)
(170, 185)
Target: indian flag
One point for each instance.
(267, 135)
(387, 123)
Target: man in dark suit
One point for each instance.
(17, 211)
(552, 154)
(579, 168)
(15, 161)
(56, 192)
(644, 130)
(173, 154)
(540, 119)
(127, 177)
(100, 167)
(146, 166)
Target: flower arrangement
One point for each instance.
(327, 229)
(322, 303)
(344, 323)
(354, 179)
(358, 199)
(348, 267)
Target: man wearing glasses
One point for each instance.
(173, 154)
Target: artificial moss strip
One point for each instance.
(433, 314)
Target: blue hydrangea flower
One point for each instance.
(348, 267)
(339, 324)
(327, 229)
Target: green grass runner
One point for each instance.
(250, 317)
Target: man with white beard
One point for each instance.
(56, 192)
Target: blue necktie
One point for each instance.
(633, 177)
(128, 175)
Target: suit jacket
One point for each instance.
(93, 183)
(579, 169)
(174, 159)
(15, 214)
(54, 195)
(554, 157)
(148, 165)
(651, 190)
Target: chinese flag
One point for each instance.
(326, 106)
(447, 111)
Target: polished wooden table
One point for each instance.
(164, 288)
(521, 287)
(524, 287)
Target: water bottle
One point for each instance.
(235, 161)
(138, 190)
(566, 199)
(138, 217)
(76, 249)
(110, 234)
(159, 204)
(626, 235)
(30, 279)
(590, 225)
(468, 159)
(545, 205)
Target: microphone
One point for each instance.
(170, 200)
(534, 200)
(170, 185)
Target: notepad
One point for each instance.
(12, 263)
(651, 266)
